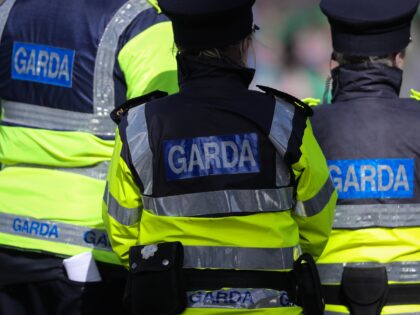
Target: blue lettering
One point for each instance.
(42, 64)
(25, 227)
(96, 238)
(248, 298)
(208, 298)
(376, 178)
(17, 227)
(221, 297)
(214, 155)
(44, 230)
(54, 231)
(34, 228)
(195, 298)
(234, 297)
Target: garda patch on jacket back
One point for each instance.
(42, 64)
(376, 178)
(214, 155)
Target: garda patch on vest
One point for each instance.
(239, 298)
(42, 64)
(379, 178)
(214, 155)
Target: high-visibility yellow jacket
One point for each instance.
(72, 63)
(235, 175)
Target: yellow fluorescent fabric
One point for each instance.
(52, 148)
(311, 173)
(122, 187)
(154, 68)
(415, 94)
(374, 245)
(44, 197)
(274, 230)
(155, 4)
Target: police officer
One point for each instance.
(63, 67)
(218, 184)
(371, 140)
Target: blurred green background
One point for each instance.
(293, 48)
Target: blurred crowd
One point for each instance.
(293, 48)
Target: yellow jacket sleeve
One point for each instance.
(316, 196)
(122, 205)
(148, 61)
(415, 94)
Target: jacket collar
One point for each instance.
(205, 72)
(360, 81)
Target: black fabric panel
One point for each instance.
(226, 110)
(293, 152)
(371, 128)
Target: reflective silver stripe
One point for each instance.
(282, 125)
(244, 258)
(98, 123)
(238, 298)
(103, 80)
(125, 216)
(408, 271)
(316, 204)
(221, 202)
(5, 8)
(48, 230)
(283, 175)
(58, 119)
(98, 171)
(138, 143)
(377, 215)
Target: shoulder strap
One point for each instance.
(415, 94)
(306, 109)
(123, 109)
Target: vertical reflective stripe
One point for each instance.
(282, 125)
(138, 142)
(5, 8)
(244, 258)
(103, 82)
(377, 215)
(316, 204)
(406, 271)
(52, 231)
(125, 216)
(282, 172)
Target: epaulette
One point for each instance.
(306, 109)
(415, 94)
(123, 109)
(312, 101)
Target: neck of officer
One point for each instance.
(361, 81)
(211, 73)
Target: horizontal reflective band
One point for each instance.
(397, 271)
(244, 258)
(124, 216)
(377, 215)
(98, 171)
(56, 119)
(239, 298)
(138, 142)
(103, 79)
(282, 126)
(316, 204)
(52, 231)
(221, 202)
